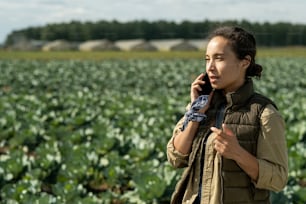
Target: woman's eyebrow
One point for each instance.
(218, 54)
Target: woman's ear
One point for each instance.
(246, 62)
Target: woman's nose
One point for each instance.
(210, 65)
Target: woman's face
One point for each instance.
(224, 69)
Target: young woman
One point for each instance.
(232, 142)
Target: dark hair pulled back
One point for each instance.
(243, 44)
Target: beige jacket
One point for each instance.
(271, 154)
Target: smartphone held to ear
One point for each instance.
(206, 88)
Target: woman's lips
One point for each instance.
(213, 79)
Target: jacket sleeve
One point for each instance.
(272, 151)
(176, 158)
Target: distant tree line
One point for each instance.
(267, 34)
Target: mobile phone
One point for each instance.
(206, 88)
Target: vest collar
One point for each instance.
(241, 96)
(235, 99)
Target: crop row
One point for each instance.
(96, 132)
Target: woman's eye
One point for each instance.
(219, 58)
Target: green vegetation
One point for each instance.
(80, 131)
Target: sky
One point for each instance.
(20, 14)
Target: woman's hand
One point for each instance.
(196, 89)
(226, 144)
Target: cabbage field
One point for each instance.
(81, 132)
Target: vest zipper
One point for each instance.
(219, 121)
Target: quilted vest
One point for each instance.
(242, 116)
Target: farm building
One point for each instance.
(27, 45)
(184, 46)
(200, 44)
(165, 44)
(135, 45)
(97, 45)
(59, 45)
(145, 46)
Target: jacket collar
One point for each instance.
(235, 99)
